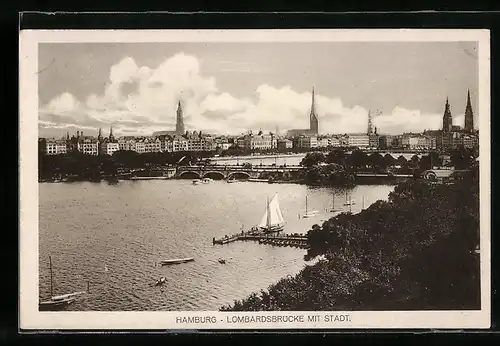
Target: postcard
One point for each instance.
(254, 179)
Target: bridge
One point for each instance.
(237, 172)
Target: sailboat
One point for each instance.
(349, 200)
(333, 210)
(60, 301)
(272, 220)
(310, 213)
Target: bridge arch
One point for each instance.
(238, 175)
(189, 175)
(214, 175)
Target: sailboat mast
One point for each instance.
(51, 285)
(268, 215)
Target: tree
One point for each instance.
(401, 161)
(415, 251)
(390, 161)
(337, 156)
(462, 158)
(313, 158)
(315, 175)
(358, 159)
(377, 161)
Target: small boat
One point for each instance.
(206, 180)
(57, 302)
(272, 220)
(160, 281)
(348, 200)
(222, 261)
(196, 181)
(176, 261)
(333, 210)
(232, 181)
(311, 213)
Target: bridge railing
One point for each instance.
(236, 168)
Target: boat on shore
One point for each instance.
(60, 301)
(176, 261)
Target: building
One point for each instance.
(373, 139)
(88, 145)
(313, 117)
(306, 142)
(179, 143)
(417, 142)
(323, 142)
(152, 144)
(258, 142)
(109, 148)
(313, 122)
(334, 142)
(140, 147)
(179, 125)
(358, 140)
(55, 147)
(284, 144)
(469, 115)
(385, 142)
(447, 118)
(196, 141)
(222, 143)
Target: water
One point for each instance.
(112, 236)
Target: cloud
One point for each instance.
(140, 99)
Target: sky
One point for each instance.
(230, 88)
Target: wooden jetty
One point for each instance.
(294, 240)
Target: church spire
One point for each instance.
(469, 115)
(111, 137)
(447, 119)
(179, 126)
(313, 117)
(370, 124)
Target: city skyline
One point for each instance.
(232, 88)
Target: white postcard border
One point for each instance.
(31, 318)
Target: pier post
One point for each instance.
(213, 240)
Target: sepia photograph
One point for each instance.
(254, 178)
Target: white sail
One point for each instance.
(272, 215)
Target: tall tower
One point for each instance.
(370, 124)
(179, 126)
(313, 117)
(469, 116)
(99, 135)
(447, 120)
(111, 137)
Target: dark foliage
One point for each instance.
(415, 251)
(78, 166)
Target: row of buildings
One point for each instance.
(196, 141)
(449, 137)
